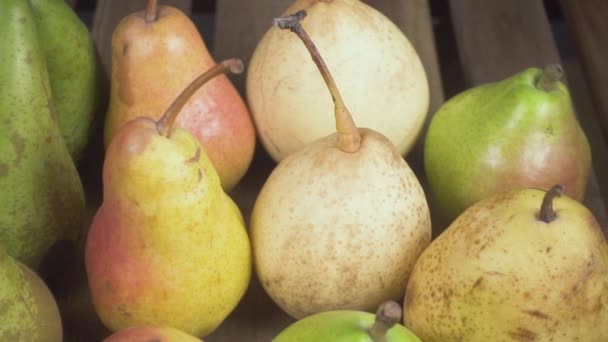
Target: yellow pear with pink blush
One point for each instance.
(156, 53)
(167, 247)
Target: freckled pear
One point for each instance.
(379, 73)
(41, 197)
(156, 53)
(519, 132)
(340, 223)
(167, 247)
(521, 265)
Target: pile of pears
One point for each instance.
(340, 234)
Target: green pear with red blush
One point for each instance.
(518, 132)
(167, 247)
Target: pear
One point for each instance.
(288, 99)
(162, 43)
(340, 223)
(519, 132)
(521, 265)
(40, 190)
(350, 325)
(74, 71)
(149, 334)
(167, 247)
(28, 309)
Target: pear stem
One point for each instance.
(552, 74)
(388, 314)
(151, 11)
(547, 214)
(234, 65)
(349, 138)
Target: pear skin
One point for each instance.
(501, 273)
(40, 190)
(167, 247)
(74, 71)
(148, 334)
(347, 326)
(340, 223)
(152, 61)
(502, 136)
(378, 71)
(29, 311)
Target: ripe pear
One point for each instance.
(340, 223)
(162, 43)
(28, 309)
(41, 196)
(149, 334)
(375, 66)
(519, 132)
(167, 247)
(350, 325)
(74, 71)
(520, 265)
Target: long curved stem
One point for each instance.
(349, 138)
(234, 65)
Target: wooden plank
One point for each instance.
(237, 32)
(413, 17)
(509, 37)
(587, 21)
(109, 13)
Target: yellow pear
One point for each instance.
(520, 265)
(167, 247)
(377, 69)
(340, 223)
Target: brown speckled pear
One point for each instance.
(156, 53)
(379, 73)
(521, 265)
(340, 223)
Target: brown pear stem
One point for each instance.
(388, 314)
(349, 138)
(552, 74)
(151, 11)
(234, 65)
(547, 214)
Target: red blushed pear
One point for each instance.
(156, 53)
(167, 247)
(519, 132)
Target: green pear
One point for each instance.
(74, 70)
(521, 265)
(40, 190)
(167, 247)
(350, 326)
(519, 132)
(28, 311)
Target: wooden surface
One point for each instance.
(510, 36)
(589, 25)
